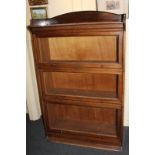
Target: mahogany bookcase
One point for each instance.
(79, 62)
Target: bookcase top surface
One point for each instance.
(78, 18)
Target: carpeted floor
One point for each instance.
(37, 144)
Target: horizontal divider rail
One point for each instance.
(81, 68)
(88, 102)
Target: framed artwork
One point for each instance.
(39, 13)
(114, 6)
(38, 2)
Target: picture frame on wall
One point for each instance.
(38, 2)
(114, 6)
(39, 13)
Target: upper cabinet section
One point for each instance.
(80, 37)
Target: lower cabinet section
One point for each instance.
(84, 125)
